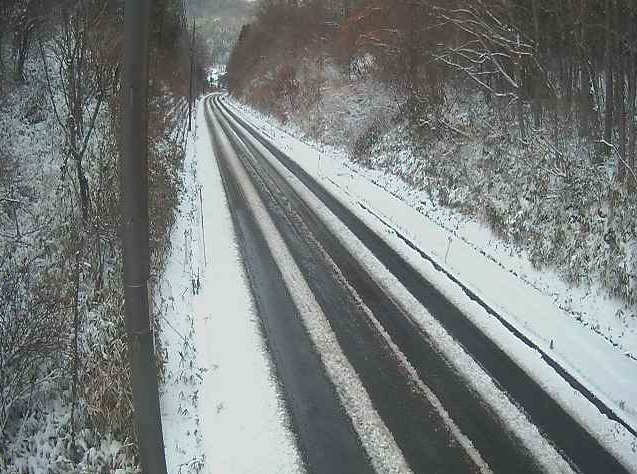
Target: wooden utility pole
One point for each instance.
(134, 182)
(192, 66)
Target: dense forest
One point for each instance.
(65, 396)
(520, 113)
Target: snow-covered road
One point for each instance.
(373, 364)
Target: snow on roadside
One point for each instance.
(221, 408)
(591, 359)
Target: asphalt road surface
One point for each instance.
(420, 398)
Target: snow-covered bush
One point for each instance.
(65, 393)
(32, 335)
(548, 199)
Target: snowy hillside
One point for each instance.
(65, 395)
(521, 178)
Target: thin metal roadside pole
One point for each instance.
(135, 235)
(203, 229)
(192, 66)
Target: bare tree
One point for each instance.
(27, 15)
(87, 72)
(608, 76)
(632, 91)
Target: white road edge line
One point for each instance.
(512, 418)
(375, 437)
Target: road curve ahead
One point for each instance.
(367, 388)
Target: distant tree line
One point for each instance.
(550, 60)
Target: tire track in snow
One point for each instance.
(574, 441)
(378, 442)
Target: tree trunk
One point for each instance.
(1, 50)
(75, 363)
(620, 96)
(23, 34)
(608, 112)
(632, 92)
(585, 97)
(76, 95)
(537, 88)
(24, 42)
(519, 92)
